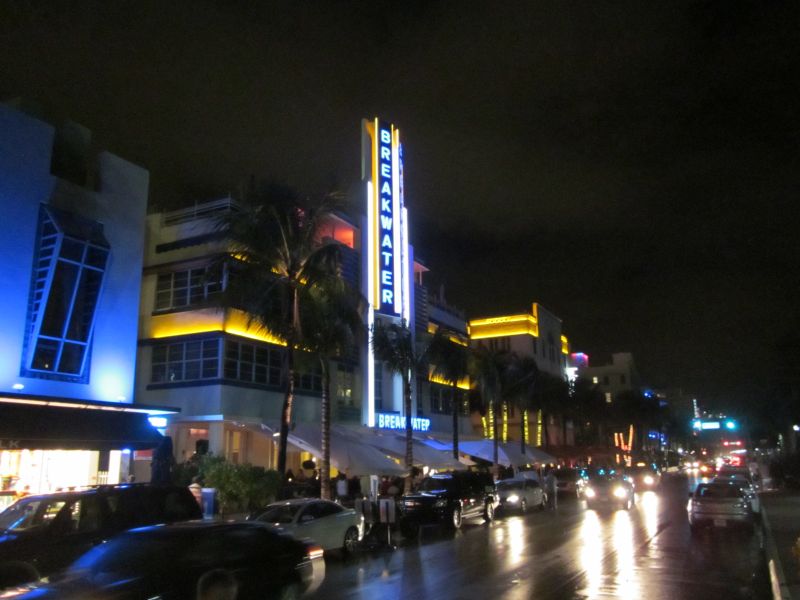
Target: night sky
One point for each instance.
(631, 166)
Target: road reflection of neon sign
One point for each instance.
(709, 425)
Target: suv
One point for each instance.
(447, 499)
(43, 534)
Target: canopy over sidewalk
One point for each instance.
(509, 454)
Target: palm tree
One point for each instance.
(523, 375)
(332, 326)
(488, 371)
(396, 347)
(278, 257)
(551, 396)
(450, 362)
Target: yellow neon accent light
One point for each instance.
(432, 328)
(485, 427)
(376, 299)
(463, 384)
(206, 321)
(539, 425)
(504, 326)
(527, 426)
(564, 345)
(505, 421)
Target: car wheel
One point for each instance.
(523, 506)
(17, 573)
(543, 503)
(456, 518)
(290, 591)
(350, 541)
(488, 512)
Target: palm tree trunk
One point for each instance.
(496, 440)
(409, 430)
(325, 445)
(455, 420)
(286, 411)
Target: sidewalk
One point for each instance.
(781, 516)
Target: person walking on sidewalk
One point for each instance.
(551, 487)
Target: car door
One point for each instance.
(311, 525)
(78, 526)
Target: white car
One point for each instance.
(328, 524)
(520, 494)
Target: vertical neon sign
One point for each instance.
(387, 184)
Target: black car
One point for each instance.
(447, 499)
(173, 561)
(645, 476)
(609, 490)
(42, 534)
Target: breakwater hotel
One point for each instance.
(225, 378)
(70, 263)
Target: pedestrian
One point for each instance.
(341, 486)
(551, 487)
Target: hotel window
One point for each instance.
(190, 287)
(622, 379)
(442, 400)
(605, 380)
(309, 380)
(253, 363)
(69, 266)
(185, 361)
(595, 380)
(344, 385)
(608, 397)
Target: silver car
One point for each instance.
(719, 504)
(518, 495)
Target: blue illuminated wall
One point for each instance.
(110, 216)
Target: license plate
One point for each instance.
(719, 522)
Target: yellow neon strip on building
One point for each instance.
(527, 426)
(505, 421)
(539, 424)
(376, 299)
(207, 321)
(564, 345)
(463, 384)
(504, 326)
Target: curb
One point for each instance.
(777, 580)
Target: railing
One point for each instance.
(200, 211)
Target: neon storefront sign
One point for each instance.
(393, 421)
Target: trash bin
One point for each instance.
(208, 502)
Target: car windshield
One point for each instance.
(437, 484)
(282, 513)
(719, 491)
(509, 485)
(27, 514)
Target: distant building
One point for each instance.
(70, 264)
(620, 375)
(537, 334)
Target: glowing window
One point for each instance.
(69, 265)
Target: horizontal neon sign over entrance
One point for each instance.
(391, 421)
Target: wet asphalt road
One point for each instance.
(570, 553)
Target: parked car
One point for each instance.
(645, 476)
(168, 562)
(328, 524)
(609, 490)
(731, 473)
(741, 477)
(42, 534)
(520, 494)
(719, 504)
(447, 499)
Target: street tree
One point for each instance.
(450, 362)
(278, 257)
(395, 345)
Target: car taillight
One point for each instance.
(314, 551)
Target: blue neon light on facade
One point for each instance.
(392, 421)
(387, 232)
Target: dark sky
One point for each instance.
(633, 166)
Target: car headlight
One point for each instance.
(589, 492)
(513, 499)
(648, 479)
(440, 504)
(620, 492)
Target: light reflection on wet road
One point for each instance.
(572, 553)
